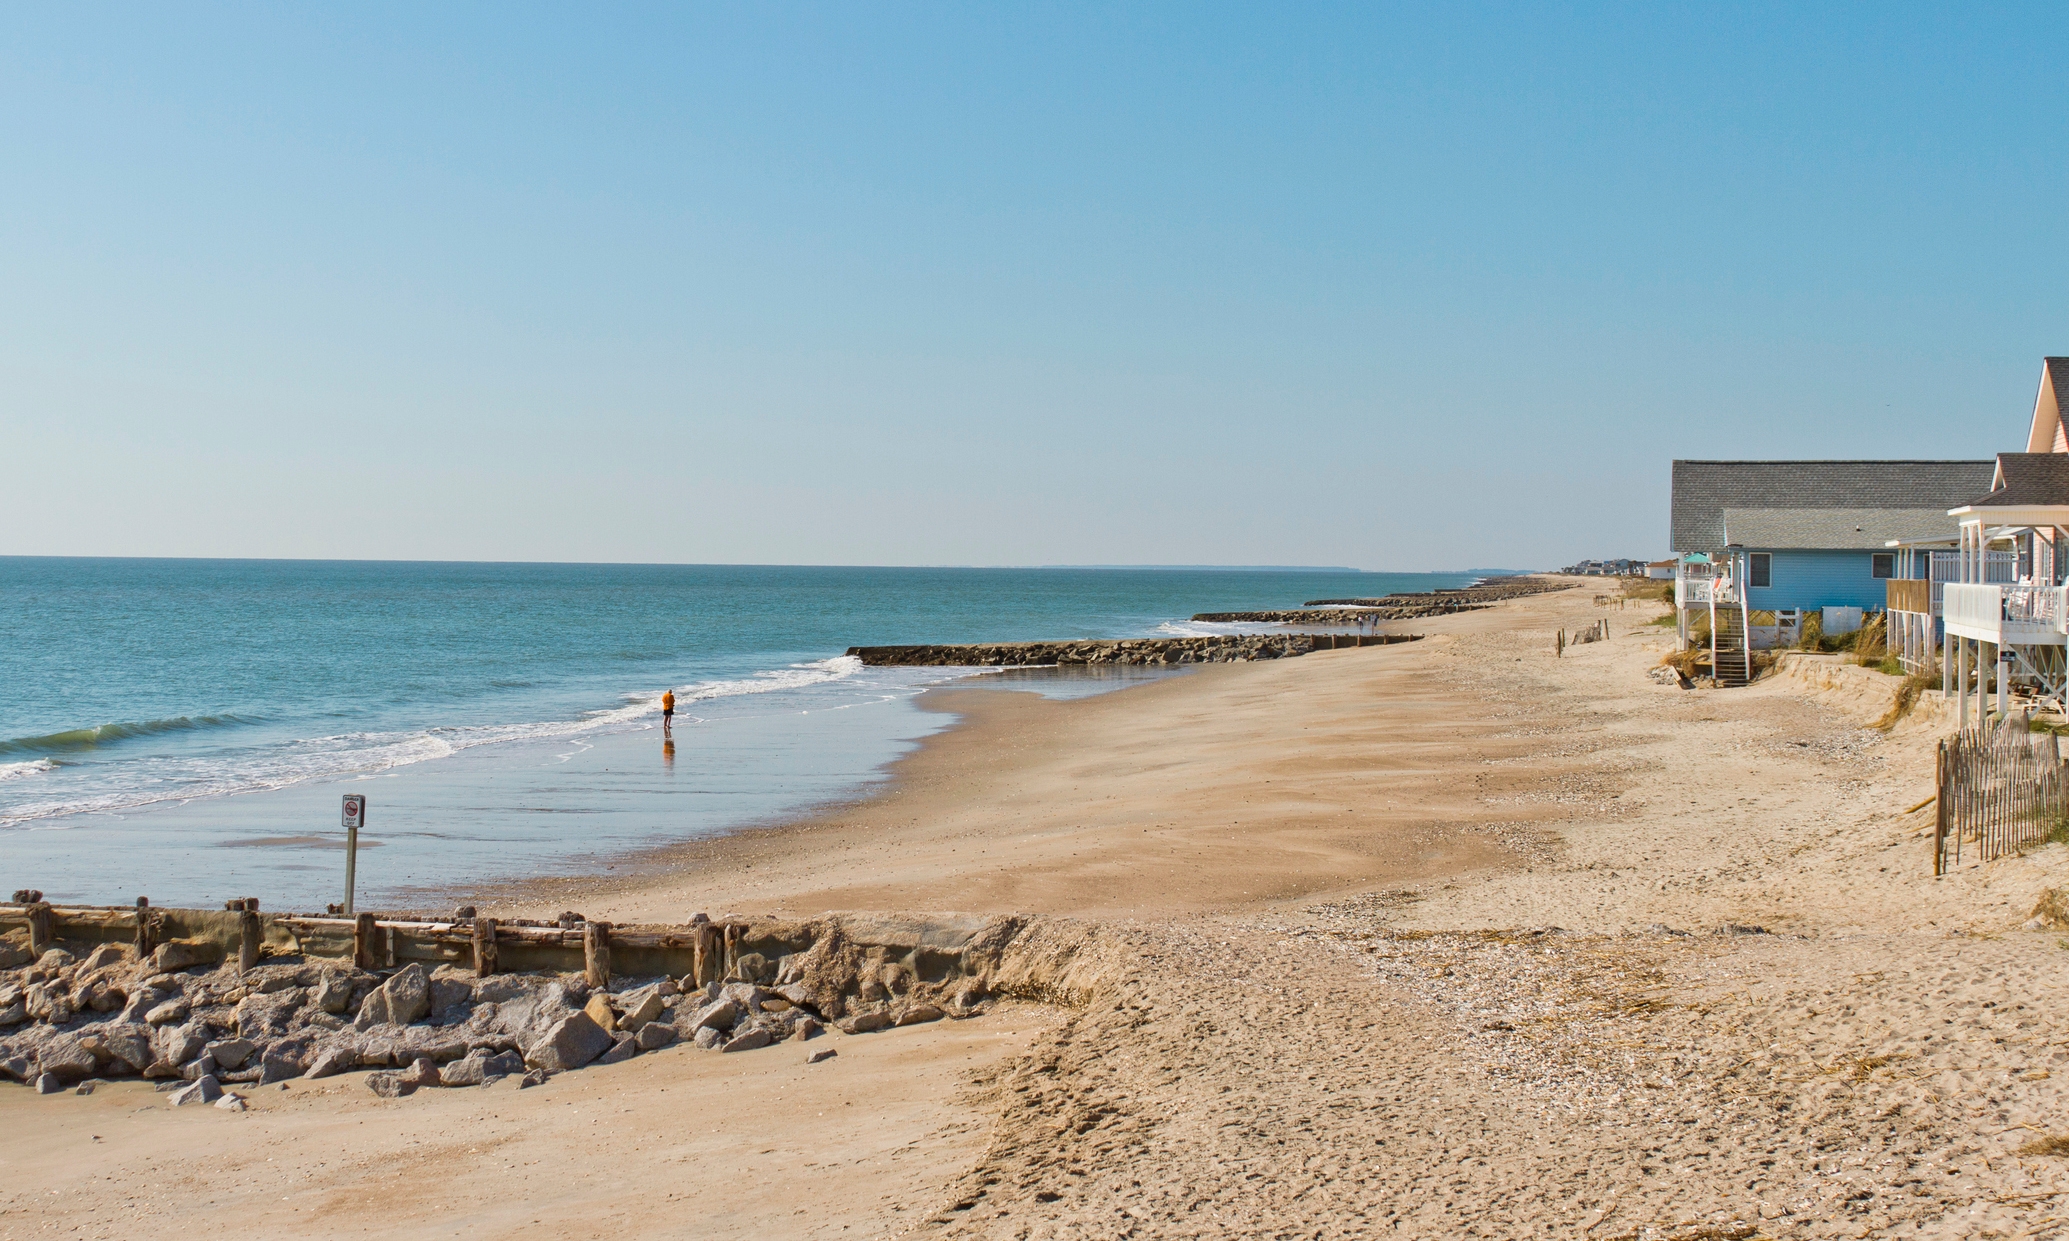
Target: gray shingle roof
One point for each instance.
(2029, 478)
(1846, 528)
(1704, 489)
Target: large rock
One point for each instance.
(267, 1014)
(67, 1057)
(918, 1014)
(205, 1090)
(334, 1060)
(863, 1023)
(502, 1064)
(641, 1006)
(625, 1048)
(573, 1041)
(284, 1059)
(719, 1016)
(390, 1085)
(103, 957)
(655, 1035)
(405, 997)
(179, 1044)
(180, 954)
(600, 1011)
(170, 1012)
(128, 1046)
(753, 1038)
(334, 993)
(470, 1071)
(231, 1053)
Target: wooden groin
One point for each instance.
(1123, 651)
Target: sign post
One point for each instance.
(354, 815)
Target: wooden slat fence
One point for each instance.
(2000, 788)
(1597, 632)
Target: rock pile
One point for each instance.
(1127, 651)
(67, 1020)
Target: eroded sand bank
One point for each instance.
(1450, 938)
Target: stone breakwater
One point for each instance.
(1406, 606)
(73, 1015)
(1485, 591)
(1200, 650)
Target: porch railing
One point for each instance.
(1910, 596)
(1993, 607)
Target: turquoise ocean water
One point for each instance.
(183, 729)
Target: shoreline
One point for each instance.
(1309, 937)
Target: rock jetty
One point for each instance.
(69, 1020)
(1124, 651)
(1410, 605)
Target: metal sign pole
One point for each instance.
(354, 815)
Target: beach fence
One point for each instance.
(1597, 632)
(1999, 788)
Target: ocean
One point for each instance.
(183, 729)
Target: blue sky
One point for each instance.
(1402, 287)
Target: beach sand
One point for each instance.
(1442, 939)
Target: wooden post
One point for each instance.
(247, 939)
(708, 954)
(1940, 810)
(363, 932)
(484, 947)
(596, 953)
(733, 933)
(42, 928)
(143, 927)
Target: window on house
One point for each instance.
(1762, 568)
(1885, 564)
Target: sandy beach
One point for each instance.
(1448, 938)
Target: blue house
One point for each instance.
(1802, 536)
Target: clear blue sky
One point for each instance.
(1398, 287)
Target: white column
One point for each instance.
(1961, 673)
(2004, 684)
(1947, 664)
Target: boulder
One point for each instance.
(88, 1086)
(203, 1090)
(573, 1041)
(267, 1014)
(124, 1044)
(919, 1013)
(708, 1038)
(170, 1012)
(654, 1035)
(823, 1054)
(405, 997)
(231, 1053)
(180, 954)
(471, 1071)
(13, 1014)
(20, 1068)
(334, 993)
(283, 1061)
(863, 1023)
(422, 1071)
(54, 959)
(600, 1011)
(103, 957)
(48, 1083)
(502, 1064)
(179, 1044)
(67, 1057)
(641, 1007)
(390, 1085)
(808, 1028)
(334, 1060)
(625, 1048)
(231, 1103)
(14, 950)
(719, 1016)
(752, 1039)
(537, 1077)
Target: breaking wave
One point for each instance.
(76, 739)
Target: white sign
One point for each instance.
(355, 810)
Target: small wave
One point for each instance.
(34, 767)
(796, 676)
(101, 734)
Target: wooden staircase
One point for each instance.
(1731, 656)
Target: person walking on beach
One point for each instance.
(667, 710)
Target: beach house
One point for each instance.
(1759, 544)
(2000, 599)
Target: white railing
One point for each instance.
(1701, 592)
(2009, 613)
